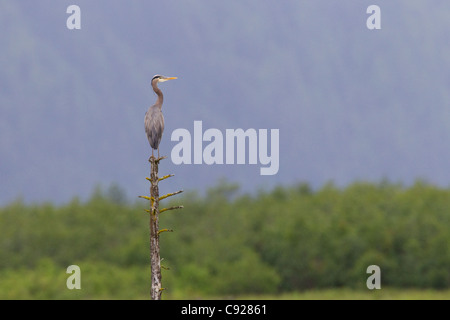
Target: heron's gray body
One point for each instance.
(154, 125)
(154, 119)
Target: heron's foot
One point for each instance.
(156, 160)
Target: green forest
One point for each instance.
(229, 244)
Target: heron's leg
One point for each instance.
(149, 159)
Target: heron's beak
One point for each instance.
(168, 78)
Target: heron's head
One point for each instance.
(159, 78)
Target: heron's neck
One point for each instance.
(159, 93)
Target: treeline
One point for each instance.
(225, 243)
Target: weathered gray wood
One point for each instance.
(155, 257)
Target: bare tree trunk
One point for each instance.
(155, 258)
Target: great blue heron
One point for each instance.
(154, 119)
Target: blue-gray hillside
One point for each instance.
(350, 103)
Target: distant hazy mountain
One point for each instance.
(350, 103)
